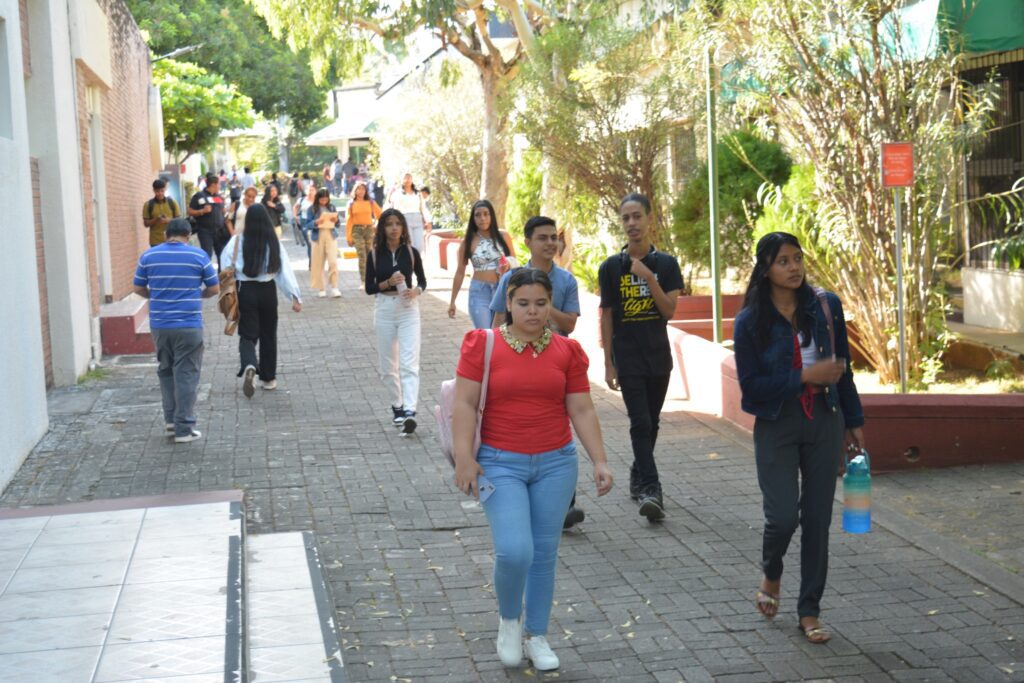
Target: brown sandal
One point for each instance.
(767, 604)
(815, 634)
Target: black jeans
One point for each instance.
(644, 396)
(784, 448)
(257, 323)
(207, 242)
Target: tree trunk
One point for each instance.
(494, 179)
(282, 142)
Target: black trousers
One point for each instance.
(207, 242)
(784, 448)
(257, 324)
(644, 396)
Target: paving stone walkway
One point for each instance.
(408, 559)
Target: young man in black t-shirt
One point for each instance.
(639, 288)
(207, 208)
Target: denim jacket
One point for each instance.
(767, 376)
(308, 223)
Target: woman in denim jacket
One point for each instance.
(802, 393)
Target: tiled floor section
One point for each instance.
(287, 624)
(120, 595)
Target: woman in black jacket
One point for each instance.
(275, 207)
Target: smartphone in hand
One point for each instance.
(486, 488)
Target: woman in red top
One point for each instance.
(527, 462)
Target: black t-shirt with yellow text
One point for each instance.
(639, 337)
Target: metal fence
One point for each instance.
(997, 164)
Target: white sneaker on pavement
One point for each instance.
(169, 426)
(541, 654)
(336, 293)
(321, 294)
(195, 434)
(270, 384)
(249, 381)
(510, 641)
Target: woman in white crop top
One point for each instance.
(488, 248)
(407, 199)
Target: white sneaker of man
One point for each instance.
(270, 384)
(541, 654)
(510, 641)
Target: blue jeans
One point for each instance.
(526, 512)
(480, 295)
(179, 352)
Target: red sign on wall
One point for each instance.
(897, 164)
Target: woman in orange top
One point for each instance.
(359, 230)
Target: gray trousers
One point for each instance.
(180, 355)
(784, 448)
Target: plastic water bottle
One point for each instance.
(857, 494)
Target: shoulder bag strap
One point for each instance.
(234, 252)
(823, 300)
(488, 349)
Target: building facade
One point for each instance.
(77, 156)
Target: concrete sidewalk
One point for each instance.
(408, 558)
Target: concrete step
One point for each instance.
(124, 327)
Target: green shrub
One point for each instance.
(524, 193)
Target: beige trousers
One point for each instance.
(324, 249)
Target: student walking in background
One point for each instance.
(303, 220)
(158, 212)
(488, 249)
(542, 242)
(639, 289)
(322, 227)
(408, 200)
(359, 224)
(235, 220)
(176, 277)
(390, 269)
(793, 366)
(537, 387)
(261, 266)
(207, 208)
(275, 207)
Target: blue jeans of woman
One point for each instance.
(480, 295)
(526, 512)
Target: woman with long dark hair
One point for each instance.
(408, 200)
(793, 364)
(359, 224)
(488, 248)
(275, 207)
(537, 388)
(396, 314)
(322, 222)
(261, 265)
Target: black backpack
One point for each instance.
(293, 188)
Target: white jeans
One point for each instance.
(397, 321)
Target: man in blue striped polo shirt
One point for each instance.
(176, 277)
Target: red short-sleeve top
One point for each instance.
(525, 410)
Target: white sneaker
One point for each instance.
(270, 384)
(510, 641)
(195, 434)
(321, 294)
(540, 653)
(336, 293)
(169, 427)
(249, 381)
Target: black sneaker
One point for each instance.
(634, 485)
(398, 416)
(651, 505)
(409, 423)
(573, 517)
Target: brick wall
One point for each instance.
(44, 308)
(126, 157)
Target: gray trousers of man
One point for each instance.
(179, 353)
(784, 449)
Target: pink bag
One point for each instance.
(445, 409)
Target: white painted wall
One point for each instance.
(53, 134)
(994, 298)
(23, 416)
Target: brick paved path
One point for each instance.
(409, 558)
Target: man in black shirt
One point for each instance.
(207, 207)
(639, 288)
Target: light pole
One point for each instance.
(716, 275)
(177, 53)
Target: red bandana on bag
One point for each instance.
(807, 395)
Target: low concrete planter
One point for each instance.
(693, 315)
(903, 431)
(994, 298)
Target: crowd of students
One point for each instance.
(792, 359)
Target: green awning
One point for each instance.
(985, 25)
